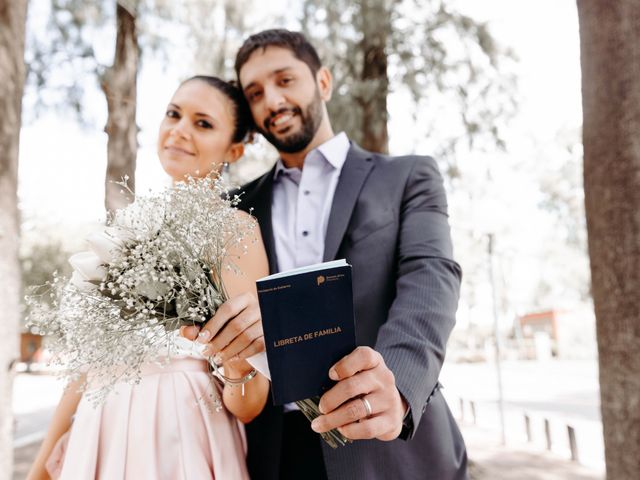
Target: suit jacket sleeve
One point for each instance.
(422, 315)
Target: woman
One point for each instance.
(162, 428)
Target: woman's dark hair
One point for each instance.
(242, 114)
(296, 42)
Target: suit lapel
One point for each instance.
(354, 172)
(260, 201)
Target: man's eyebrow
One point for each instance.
(271, 74)
(280, 70)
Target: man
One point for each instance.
(326, 199)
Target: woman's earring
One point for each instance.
(224, 174)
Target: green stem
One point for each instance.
(309, 407)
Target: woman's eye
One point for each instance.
(172, 114)
(286, 80)
(204, 124)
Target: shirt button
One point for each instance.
(307, 192)
(305, 233)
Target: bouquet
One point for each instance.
(156, 266)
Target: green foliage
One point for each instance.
(39, 260)
(561, 186)
(449, 64)
(68, 55)
(62, 54)
(216, 30)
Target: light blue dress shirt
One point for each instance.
(301, 205)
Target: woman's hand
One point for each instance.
(235, 331)
(245, 401)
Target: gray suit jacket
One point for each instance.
(389, 220)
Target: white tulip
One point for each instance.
(88, 266)
(80, 283)
(121, 234)
(108, 243)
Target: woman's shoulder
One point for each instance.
(244, 216)
(254, 191)
(246, 220)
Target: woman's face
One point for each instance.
(195, 136)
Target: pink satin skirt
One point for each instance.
(165, 427)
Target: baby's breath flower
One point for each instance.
(166, 273)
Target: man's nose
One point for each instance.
(274, 99)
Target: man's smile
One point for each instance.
(282, 121)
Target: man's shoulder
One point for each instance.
(408, 160)
(254, 184)
(402, 165)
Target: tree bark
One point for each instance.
(376, 15)
(119, 87)
(13, 15)
(610, 58)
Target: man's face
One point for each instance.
(284, 97)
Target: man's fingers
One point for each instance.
(362, 358)
(375, 427)
(360, 384)
(391, 434)
(354, 410)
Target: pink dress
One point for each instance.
(164, 428)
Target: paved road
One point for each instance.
(22, 458)
(567, 388)
(566, 393)
(492, 461)
(35, 397)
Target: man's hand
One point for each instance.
(235, 331)
(362, 375)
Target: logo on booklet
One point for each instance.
(320, 279)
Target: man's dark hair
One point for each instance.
(279, 37)
(242, 114)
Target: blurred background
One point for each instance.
(490, 89)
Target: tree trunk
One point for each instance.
(12, 72)
(119, 87)
(610, 58)
(376, 27)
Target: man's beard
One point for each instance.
(310, 119)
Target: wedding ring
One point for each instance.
(367, 406)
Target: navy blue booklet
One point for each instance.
(307, 316)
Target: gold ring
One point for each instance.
(367, 406)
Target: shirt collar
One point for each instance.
(334, 151)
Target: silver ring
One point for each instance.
(367, 406)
